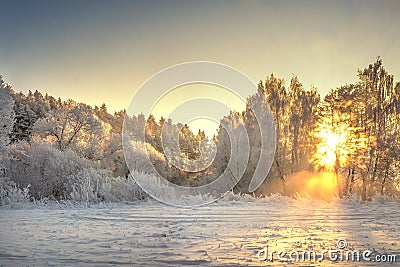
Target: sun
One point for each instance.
(331, 150)
(328, 148)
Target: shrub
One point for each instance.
(45, 169)
(96, 185)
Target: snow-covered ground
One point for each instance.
(228, 233)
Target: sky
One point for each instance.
(102, 51)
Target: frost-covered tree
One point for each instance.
(6, 123)
(369, 110)
(72, 126)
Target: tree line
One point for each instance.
(53, 146)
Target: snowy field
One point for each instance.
(230, 232)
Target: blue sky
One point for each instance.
(102, 51)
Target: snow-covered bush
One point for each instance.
(126, 189)
(96, 185)
(86, 185)
(11, 194)
(51, 173)
(45, 169)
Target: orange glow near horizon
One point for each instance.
(331, 153)
(323, 186)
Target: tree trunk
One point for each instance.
(385, 177)
(352, 181)
(283, 180)
(347, 186)
(364, 188)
